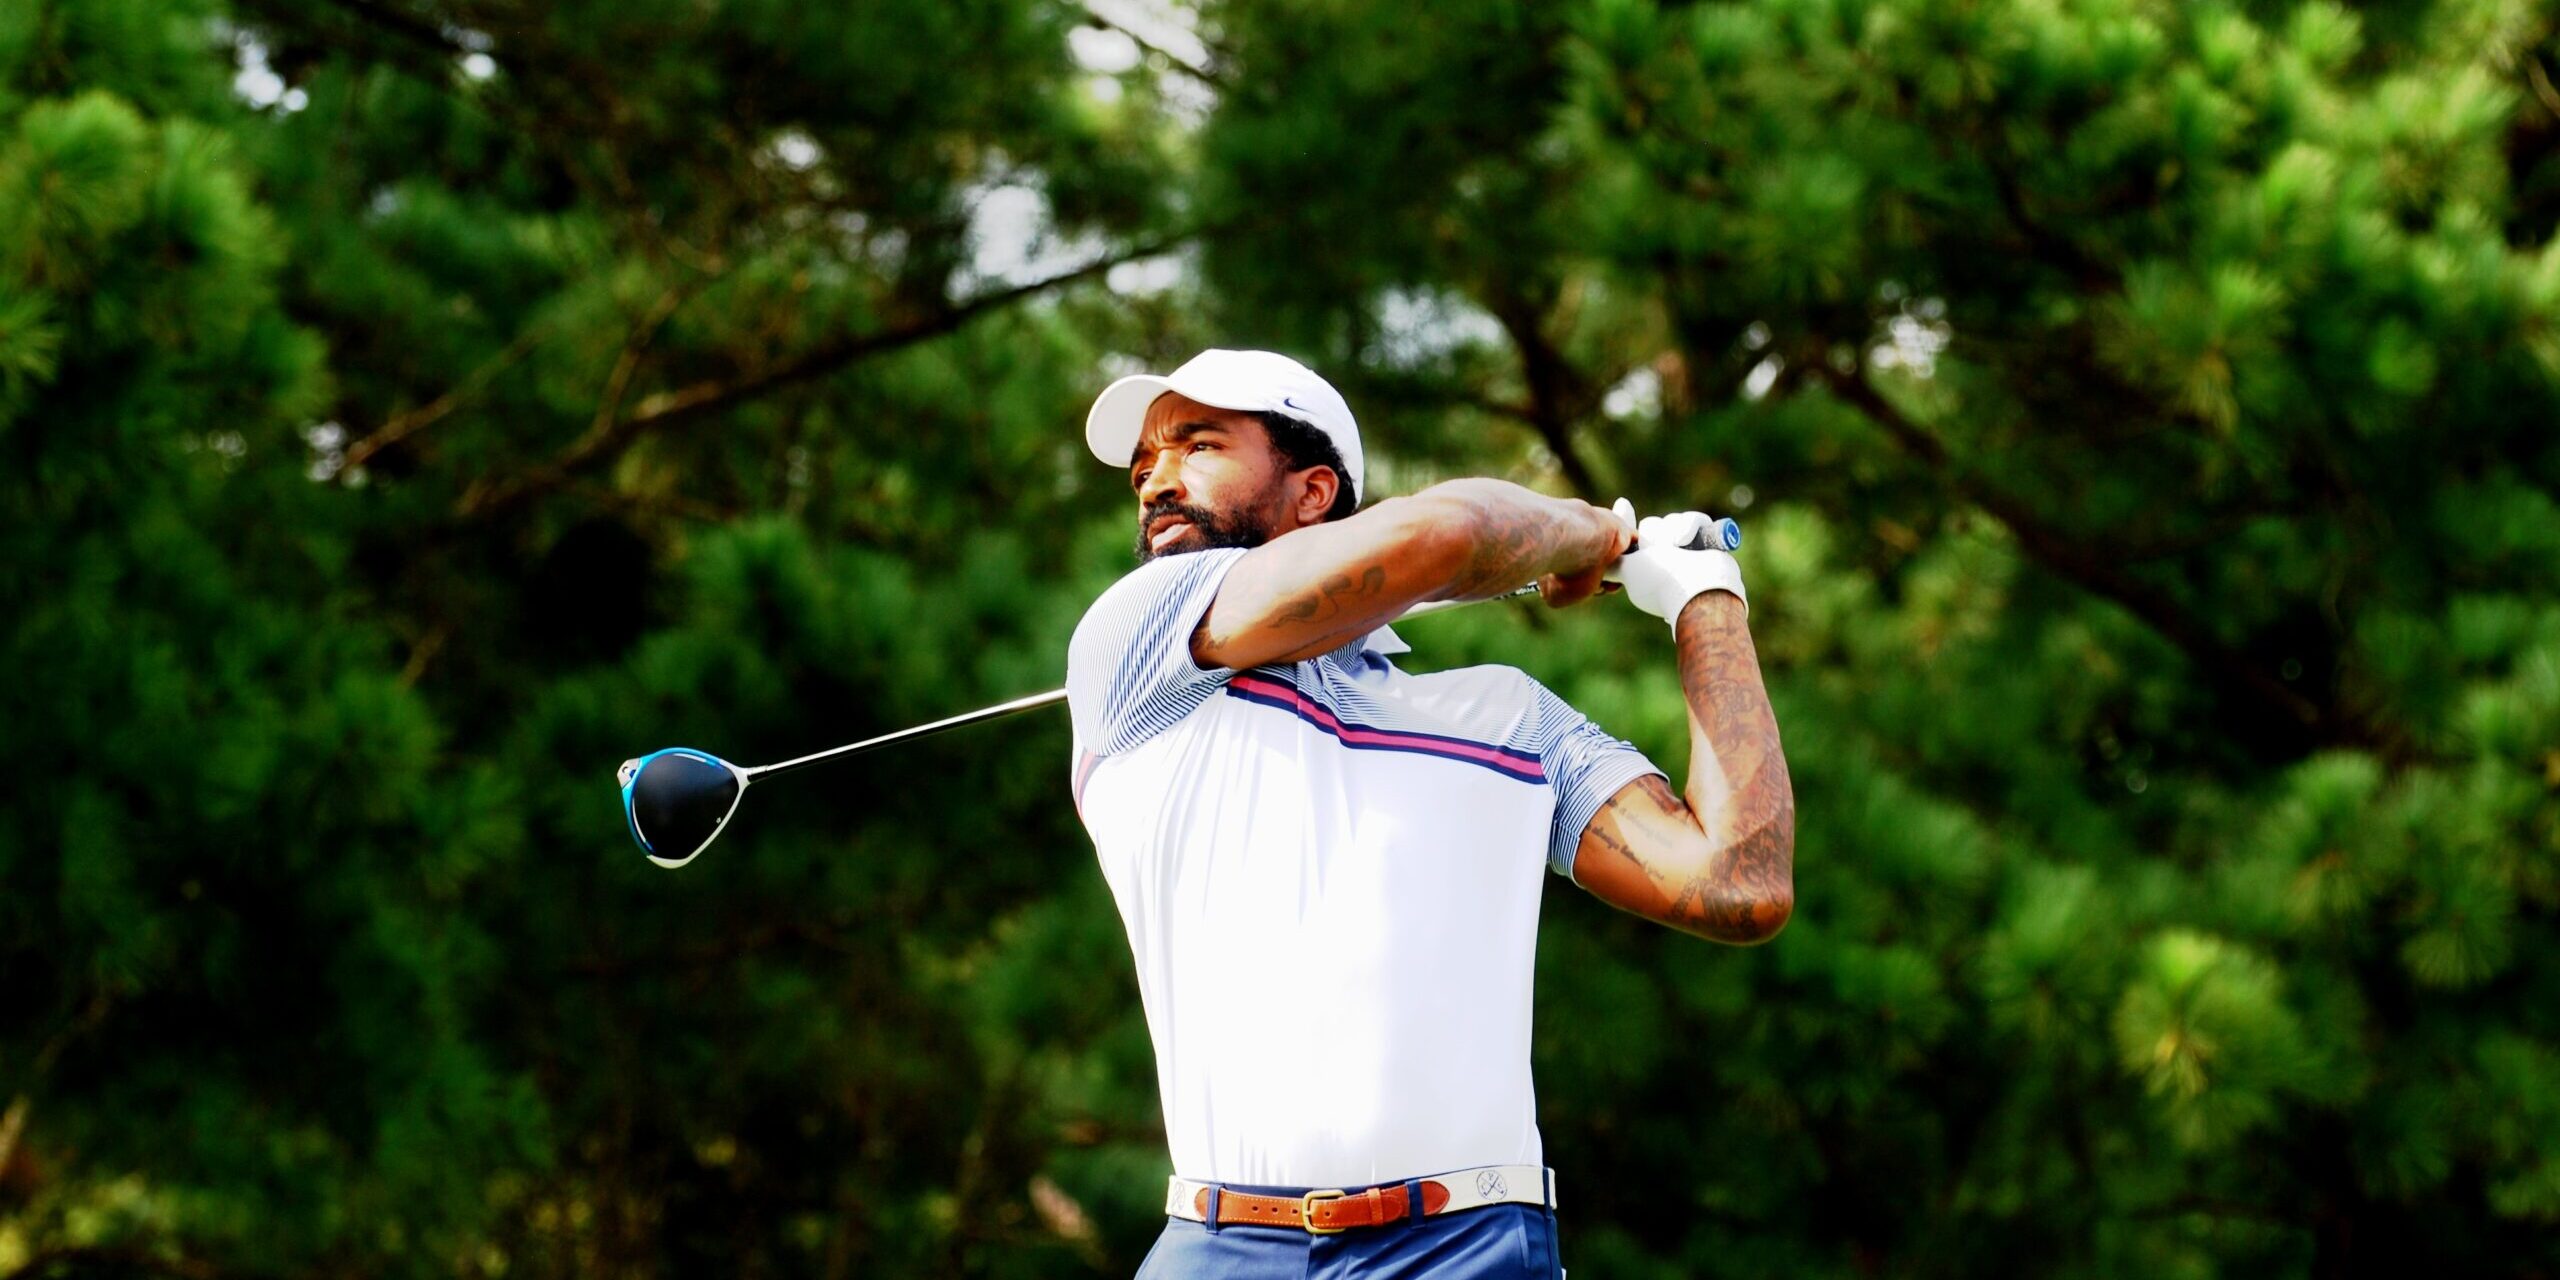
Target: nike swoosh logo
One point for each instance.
(1295, 405)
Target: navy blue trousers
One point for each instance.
(1497, 1242)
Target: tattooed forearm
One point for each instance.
(1331, 598)
(1512, 546)
(1644, 852)
(1738, 784)
(1298, 596)
(1518, 535)
(1722, 863)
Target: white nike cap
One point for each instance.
(1250, 381)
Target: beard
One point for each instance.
(1208, 530)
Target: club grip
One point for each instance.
(1720, 534)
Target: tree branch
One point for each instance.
(2542, 90)
(409, 27)
(610, 436)
(1182, 64)
(13, 1122)
(2053, 248)
(408, 422)
(79, 1260)
(551, 107)
(1557, 395)
(2069, 558)
(626, 365)
(1498, 408)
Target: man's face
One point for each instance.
(1205, 478)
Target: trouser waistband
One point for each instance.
(1327, 1211)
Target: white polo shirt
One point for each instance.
(1329, 871)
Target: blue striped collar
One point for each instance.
(1383, 642)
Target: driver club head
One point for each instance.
(677, 800)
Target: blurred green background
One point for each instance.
(2143, 414)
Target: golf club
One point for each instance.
(677, 800)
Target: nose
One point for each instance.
(1164, 479)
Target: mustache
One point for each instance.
(1213, 530)
(1198, 517)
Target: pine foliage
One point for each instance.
(2140, 412)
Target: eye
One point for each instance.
(1138, 479)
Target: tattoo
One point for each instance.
(1501, 534)
(1516, 543)
(1644, 849)
(1511, 547)
(1330, 598)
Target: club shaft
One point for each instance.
(1032, 703)
(1722, 533)
(996, 712)
(1435, 606)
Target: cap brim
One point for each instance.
(1120, 414)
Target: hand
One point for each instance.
(1610, 536)
(1664, 573)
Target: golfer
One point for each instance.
(1329, 868)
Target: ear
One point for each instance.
(1316, 489)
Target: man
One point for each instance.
(1329, 868)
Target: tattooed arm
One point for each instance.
(1722, 864)
(1313, 589)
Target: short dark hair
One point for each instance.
(1301, 446)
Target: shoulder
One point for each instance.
(1130, 673)
(1490, 682)
(1499, 702)
(1509, 703)
(1149, 594)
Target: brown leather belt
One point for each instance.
(1326, 1212)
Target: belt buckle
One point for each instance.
(1307, 1210)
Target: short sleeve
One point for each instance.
(1130, 675)
(1585, 766)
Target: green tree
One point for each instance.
(233, 996)
(365, 428)
(2154, 402)
(415, 407)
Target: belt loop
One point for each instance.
(1212, 1213)
(1547, 1175)
(1413, 1201)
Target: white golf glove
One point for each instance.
(1664, 573)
